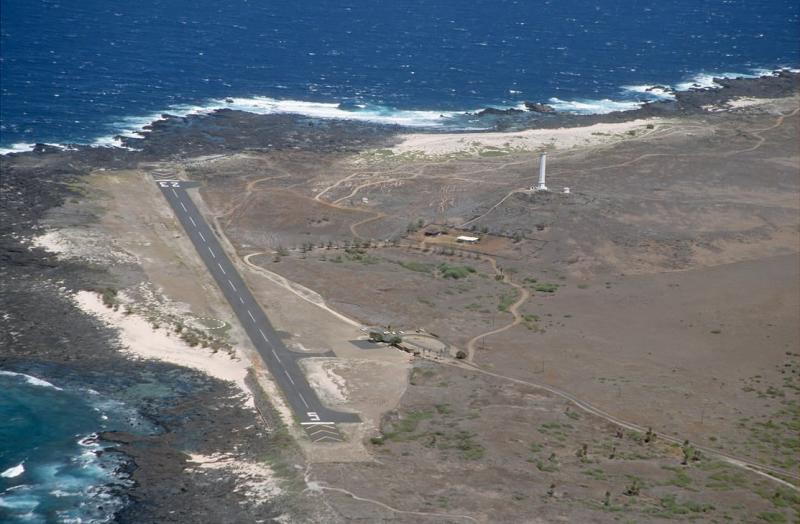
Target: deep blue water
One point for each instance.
(78, 70)
(50, 470)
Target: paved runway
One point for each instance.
(316, 419)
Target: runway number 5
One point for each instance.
(313, 416)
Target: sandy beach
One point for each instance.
(528, 140)
(143, 341)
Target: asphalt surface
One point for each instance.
(317, 420)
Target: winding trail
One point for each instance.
(299, 290)
(779, 121)
(761, 139)
(524, 294)
(769, 472)
(395, 510)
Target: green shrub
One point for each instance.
(454, 271)
(773, 517)
(419, 267)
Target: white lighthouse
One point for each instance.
(542, 168)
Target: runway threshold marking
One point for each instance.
(322, 431)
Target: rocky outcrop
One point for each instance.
(498, 112)
(539, 108)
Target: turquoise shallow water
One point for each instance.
(52, 466)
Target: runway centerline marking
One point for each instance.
(212, 252)
(276, 357)
(222, 269)
(290, 379)
(184, 207)
(241, 300)
(174, 192)
(303, 399)
(232, 286)
(251, 316)
(193, 222)
(201, 236)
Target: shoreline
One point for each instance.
(665, 101)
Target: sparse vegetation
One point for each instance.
(506, 300)
(546, 287)
(454, 271)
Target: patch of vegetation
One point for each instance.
(419, 267)
(547, 467)
(443, 409)
(680, 480)
(355, 254)
(595, 473)
(773, 517)
(671, 505)
(419, 375)
(403, 428)
(546, 287)
(454, 271)
(109, 297)
(531, 322)
(781, 497)
(415, 226)
(726, 479)
(506, 300)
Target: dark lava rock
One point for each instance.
(539, 108)
(498, 112)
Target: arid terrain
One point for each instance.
(626, 350)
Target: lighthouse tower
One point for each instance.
(542, 168)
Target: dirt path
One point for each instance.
(761, 139)
(756, 132)
(395, 510)
(769, 472)
(303, 292)
(524, 294)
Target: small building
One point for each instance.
(433, 231)
(467, 240)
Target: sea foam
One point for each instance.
(30, 379)
(14, 471)
(631, 97)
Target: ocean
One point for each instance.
(83, 72)
(53, 468)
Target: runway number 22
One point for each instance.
(312, 415)
(169, 183)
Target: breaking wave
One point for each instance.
(631, 97)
